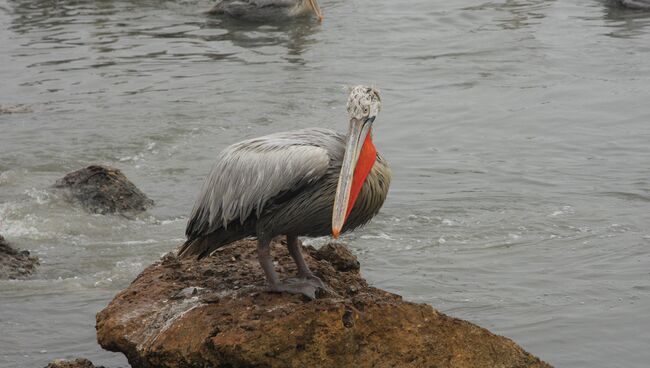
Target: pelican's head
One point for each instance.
(363, 103)
(314, 6)
(363, 106)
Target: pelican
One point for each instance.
(311, 182)
(636, 4)
(257, 10)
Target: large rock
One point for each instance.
(214, 313)
(102, 189)
(77, 363)
(14, 263)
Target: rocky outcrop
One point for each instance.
(15, 264)
(104, 190)
(215, 313)
(77, 363)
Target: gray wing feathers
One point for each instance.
(241, 7)
(248, 174)
(261, 3)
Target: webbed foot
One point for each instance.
(313, 280)
(305, 286)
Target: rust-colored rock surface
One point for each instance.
(215, 313)
(103, 190)
(15, 264)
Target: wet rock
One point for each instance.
(104, 190)
(14, 263)
(77, 363)
(339, 256)
(176, 314)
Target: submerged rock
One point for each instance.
(215, 313)
(14, 263)
(102, 189)
(77, 363)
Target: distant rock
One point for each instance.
(15, 264)
(103, 190)
(215, 313)
(77, 363)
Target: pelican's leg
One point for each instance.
(294, 245)
(293, 286)
(266, 261)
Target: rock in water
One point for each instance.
(101, 189)
(14, 263)
(214, 313)
(77, 363)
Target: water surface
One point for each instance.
(518, 133)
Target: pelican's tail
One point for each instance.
(203, 246)
(199, 248)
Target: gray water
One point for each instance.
(518, 133)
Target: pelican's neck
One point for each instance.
(367, 158)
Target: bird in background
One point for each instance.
(636, 4)
(311, 182)
(267, 10)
